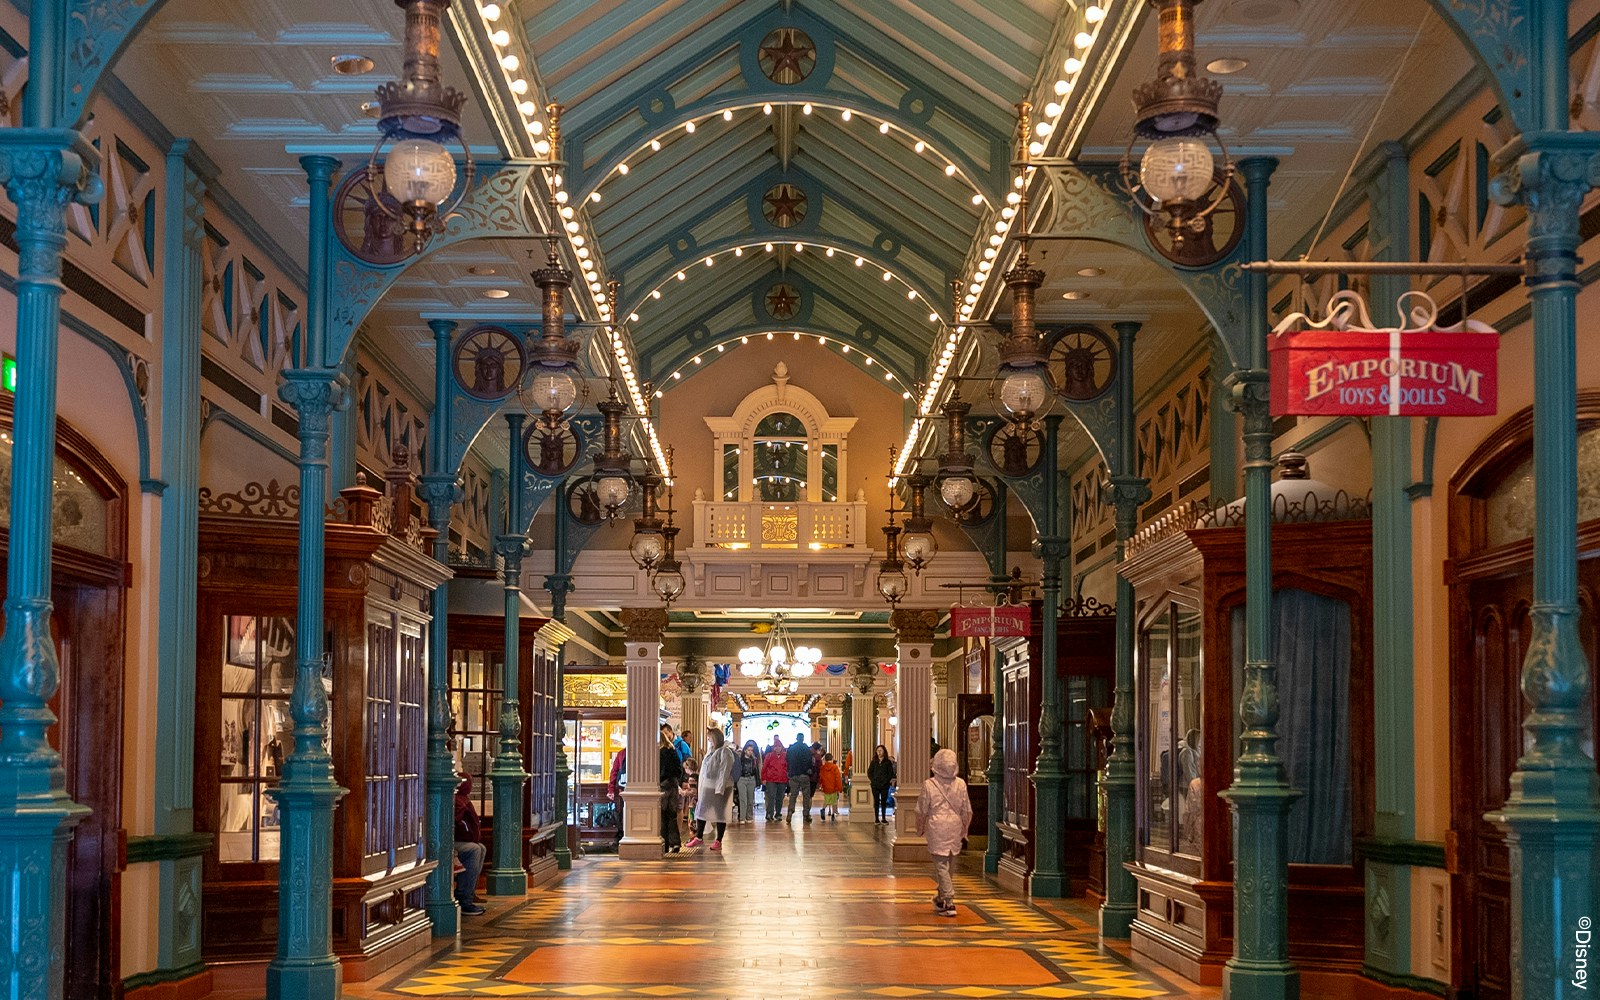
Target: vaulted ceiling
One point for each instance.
(745, 167)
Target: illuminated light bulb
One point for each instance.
(869, 359)
(830, 251)
(689, 127)
(542, 148)
(971, 298)
(519, 86)
(1013, 198)
(912, 295)
(528, 108)
(920, 146)
(587, 265)
(1000, 227)
(680, 275)
(845, 114)
(845, 348)
(1043, 127)
(677, 375)
(738, 251)
(708, 262)
(769, 336)
(578, 241)
(561, 197)
(883, 128)
(719, 348)
(655, 293)
(766, 109)
(1008, 212)
(1063, 87)
(996, 240)
(806, 109)
(888, 376)
(1052, 110)
(622, 168)
(655, 145)
(799, 248)
(1035, 148)
(797, 336)
(1094, 13)
(860, 261)
(536, 127)
(566, 212)
(744, 340)
(490, 12)
(887, 276)
(933, 317)
(1072, 65)
(557, 180)
(905, 395)
(977, 199)
(633, 317)
(583, 253)
(727, 116)
(572, 227)
(501, 38)
(822, 341)
(697, 359)
(658, 393)
(1083, 39)
(510, 63)
(984, 265)
(950, 170)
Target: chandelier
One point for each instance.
(778, 667)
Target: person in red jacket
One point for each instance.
(469, 848)
(775, 778)
(831, 783)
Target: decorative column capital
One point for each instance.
(644, 624)
(440, 493)
(44, 171)
(511, 548)
(314, 393)
(913, 624)
(692, 674)
(1549, 173)
(1125, 491)
(941, 673)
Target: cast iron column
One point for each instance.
(438, 490)
(1553, 813)
(305, 966)
(1049, 878)
(1126, 492)
(44, 170)
(559, 585)
(999, 584)
(1260, 796)
(641, 810)
(507, 876)
(913, 628)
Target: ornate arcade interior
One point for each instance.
(400, 392)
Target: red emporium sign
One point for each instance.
(1422, 373)
(1003, 621)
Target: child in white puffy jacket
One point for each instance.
(944, 812)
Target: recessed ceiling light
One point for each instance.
(1222, 67)
(1091, 272)
(1074, 296)
(480, 269)
(351, 65)
(495, 293)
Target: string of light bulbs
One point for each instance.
(822, 341)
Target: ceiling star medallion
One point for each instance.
(784, 206)
(783, 301)
(787, 55)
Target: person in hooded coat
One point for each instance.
(715, 803)
(944, 812)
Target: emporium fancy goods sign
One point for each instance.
(1004, 620)
(1340, 367)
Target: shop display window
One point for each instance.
(257, 678)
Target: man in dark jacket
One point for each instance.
(801, 777)
(469, 849)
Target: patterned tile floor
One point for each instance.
(785, 911)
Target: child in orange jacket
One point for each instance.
(832, 783)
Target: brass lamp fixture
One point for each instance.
(612, 476)
(553, 386)
(417, 115)
(1177, 176)
(668, 583)
(1022, 386)
(778, 667)
(958, 485)
(917, 543)
(892, 582)
(649, 544)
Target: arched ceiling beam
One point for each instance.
(687, 365)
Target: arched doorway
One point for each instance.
(87, 583)
(1490, 575)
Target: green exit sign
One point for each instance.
(8, 373)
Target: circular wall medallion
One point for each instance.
(363, 225)
(1083, 361)
(488, 362)
(783, 301)
(551, 451)
(583, 506)
(1016, 452)
(784, 206)
(1202, 242)
(787, 55)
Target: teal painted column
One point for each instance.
(1388, 937)
(178, 944)
(44, 170)
(304, 967)
(1224, 433)
(1553, 814)
(507, 877)
(342, 456)
(1260, 795)
(559, 585)
(998, 585)
(1049, 878)
(438, 490)
(1126, 492)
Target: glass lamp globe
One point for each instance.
(418, 170)
(612, 491)
(957, 491)
(553, 391)
(777, 654)
(750, 668)
(1024, 391)
(647, 548)
(918, 547)
(668, 584)
(1177, 169)
(892, 585)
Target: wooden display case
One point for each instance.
(595, 728)
(378, 582)
(1189, 586)
(477, 670)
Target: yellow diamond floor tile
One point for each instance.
(784, 912)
